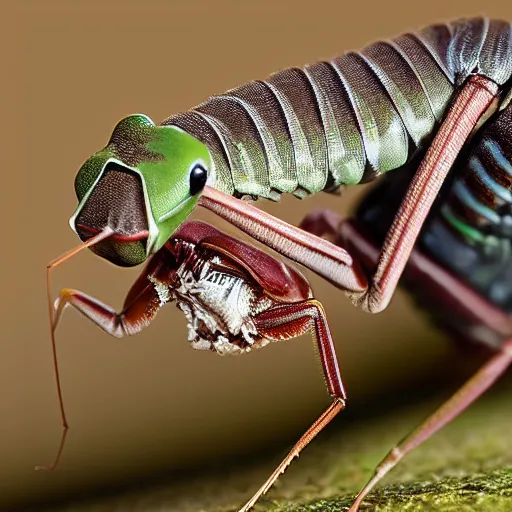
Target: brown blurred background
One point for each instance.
(150, 403)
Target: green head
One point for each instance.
(142, 186)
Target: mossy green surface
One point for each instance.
(491, 491)
(465, 467)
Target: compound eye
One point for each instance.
(198, 177)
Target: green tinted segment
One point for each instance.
(163, 157)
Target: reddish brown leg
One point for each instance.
(336, 265)
(454, 296)
(131, 320)
(323, 222)
(321, 256)
(472, 102)
(140, 307)
(288, 321)
(448, 290)
(463, 398)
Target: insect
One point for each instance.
(411, 105)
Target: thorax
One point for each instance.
(219, 300)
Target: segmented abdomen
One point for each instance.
(348, 120)
(479, 204)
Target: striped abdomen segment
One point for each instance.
(471, 234)
(479, 205)
(348, 120)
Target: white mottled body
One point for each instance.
(219, 303)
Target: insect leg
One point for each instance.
(131, 320)
(289, 321)
(461, 119)
(140, 307)
(323, 222)
(463, 398)
(321, 256)
(449, 291)
(472, 102)
(452, 294)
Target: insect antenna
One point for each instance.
(54, 263)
